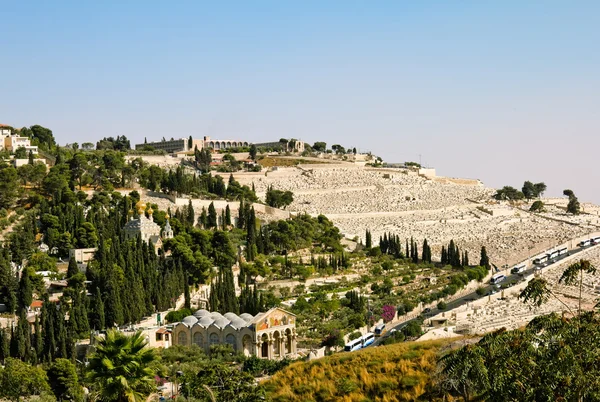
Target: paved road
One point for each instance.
(488, 288)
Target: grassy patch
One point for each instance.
(398, 372)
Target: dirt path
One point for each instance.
(9, 228)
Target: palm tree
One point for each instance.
(569, 277)
(118, 369)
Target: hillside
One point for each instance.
(399, 372)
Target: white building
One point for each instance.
(12, 142)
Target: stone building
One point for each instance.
(184, 145)
(270, 335)
(146, 227)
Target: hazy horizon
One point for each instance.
(503, 92)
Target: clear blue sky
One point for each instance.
(501, 91)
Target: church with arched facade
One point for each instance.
(269, 335)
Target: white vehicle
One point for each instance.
(519, 269)
(552, 255)
(353, 345)
(367, 339)
(585, 243)
(540, 260)
(595, 240)
(496, 279)
(563, 251)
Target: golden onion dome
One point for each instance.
(140, 206)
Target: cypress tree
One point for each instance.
(241, 223)
(425, 257)
(72, 269)
(186, 294)
(25, 290)
(227, 216)
(97, 312)
(4, 345)
(368, 240)
(38, 340)
(383, 243)
(251, 236)
(212, 216)
(14, 343)
(203, 220)
(484, 261)
(190, 215)
(415, 256)
(48, 329)
(213, 300)
(61, 334)
(450, 252)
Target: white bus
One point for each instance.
(353, 345)
(519, 269)
(552, 255)
(596, 240)
(585, 243)
(563, 251)
(496, 279)
(367, 339)
(541, 260)
(379, 329)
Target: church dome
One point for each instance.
(189, 320)
(201, 313)
(206, 321)
(246, 317)
(221, 322)
(230, 316)
(238, 323)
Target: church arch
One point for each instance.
(182, 338)
(230, 340)
(276, 344)
(264, 347)
(198, 339)
(247, 345)
(214, 339)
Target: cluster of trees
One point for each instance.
(178, 182)
(40, 136)
(391, 244)
(202, 159)
(553, 358)
(121, 143)
(279, 198)
(529, 191)
(320, 146)
(573, 207)
(451, 255)
(124, 368)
